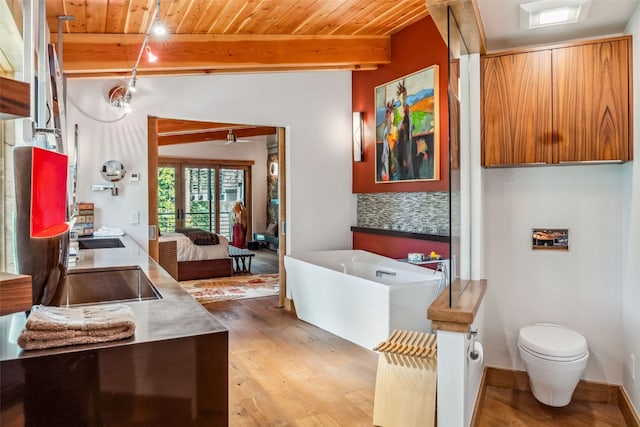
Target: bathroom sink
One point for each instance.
(100, 243)
(103, 285)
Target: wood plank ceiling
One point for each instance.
(173, 131)
(207, 36)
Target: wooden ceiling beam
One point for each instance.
(106, 54)
(468, 18)
(220, 135)
(175, 126)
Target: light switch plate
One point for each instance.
(135, 217)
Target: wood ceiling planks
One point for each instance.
(229, 35)
(174, 131)
(294, 17)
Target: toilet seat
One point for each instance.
(553, 358)
(552, 342)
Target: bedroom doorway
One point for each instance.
(162, 130)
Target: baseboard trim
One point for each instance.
(479, 399)
(289, 306)
(628, 412)
(590, 391)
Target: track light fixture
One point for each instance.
(132, 85)
(231, 137)
(150, 56)
(159, 29)
(120, 96)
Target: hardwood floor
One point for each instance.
(283, 371)
(510, 407)
(508, 401)
(264, 262)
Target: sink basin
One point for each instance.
(119, 284)
(100, 243)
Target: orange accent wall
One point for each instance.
(412, 49)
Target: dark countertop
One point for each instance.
(406, 234)
(177, 314)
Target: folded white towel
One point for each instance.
(58, 326)
(108, 232)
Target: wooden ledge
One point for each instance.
(460, 317)
(14, 99)
(15, 293)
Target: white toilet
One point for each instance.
(555, 358)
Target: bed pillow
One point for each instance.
(199, 237)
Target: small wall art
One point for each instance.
(407, 128)
(546, 238)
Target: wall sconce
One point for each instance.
(358, 136)
(120, 97)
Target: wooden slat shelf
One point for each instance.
(406, 234)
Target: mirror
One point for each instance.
(113, 170)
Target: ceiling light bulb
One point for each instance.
(132, 86)
(159, 28)
(150, 56)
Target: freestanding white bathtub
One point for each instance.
(340, 292)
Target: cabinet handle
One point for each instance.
(590, 162)
(519, 165)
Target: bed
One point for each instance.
(184, 260)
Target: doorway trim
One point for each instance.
(152, 179)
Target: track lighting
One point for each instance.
(150, 56)
(120, 96)
(159, 28)
(132, 85)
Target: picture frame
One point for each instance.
(408, 128)
(550, 238)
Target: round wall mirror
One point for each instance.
(113, 170)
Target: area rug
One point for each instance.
(234, 287)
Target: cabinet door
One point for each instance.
(591, 101)
(516, 127)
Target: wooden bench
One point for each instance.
(241, 260)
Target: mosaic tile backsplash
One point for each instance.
(426, 213)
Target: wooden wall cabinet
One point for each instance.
(14, 99)
(566, 104)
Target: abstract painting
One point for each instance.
(407, 128)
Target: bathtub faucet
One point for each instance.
(379, 273)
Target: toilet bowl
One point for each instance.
(555, 358)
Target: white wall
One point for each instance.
(581, 288)
(315, 108)
(593, 288)
(631, 238)
(254, 149)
